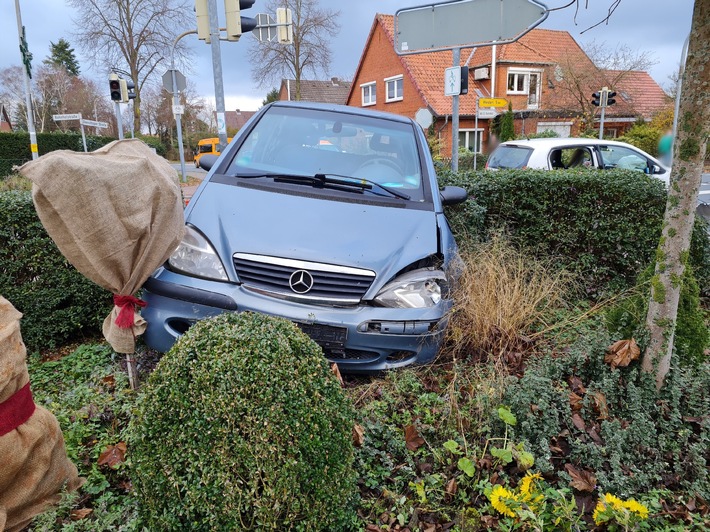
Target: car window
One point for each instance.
(622, 157)
(309, 142)
(509, 157)
(572, 157)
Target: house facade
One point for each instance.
(5, 124)
(545, 76)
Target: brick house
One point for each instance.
(332, 91)
(5, 124)
(538, 75)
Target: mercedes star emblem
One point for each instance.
(300, 281)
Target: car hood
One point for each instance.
(383, 239)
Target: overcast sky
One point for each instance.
(654, 26)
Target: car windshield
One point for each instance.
(308, 142)
(509, 157)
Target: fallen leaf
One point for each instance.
(621, 353)
(578, 422)
(534, 409)
(109, 380)
(575, 383)
(575, 401)
(336, 371)
(358, 435)
(581, 480)
(412, 437)
(81, 513)
(451, 487)
(600, 405)
(113, 455)
(373, 528)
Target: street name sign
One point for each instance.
(486, 113)
(70, 116)
(464, 23)
(93, 123)
(492, 102)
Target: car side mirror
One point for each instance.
(207, 161)
(453, 195)
(655, 169)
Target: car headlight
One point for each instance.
(415, 289)
(196, 256)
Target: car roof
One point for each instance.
(552, 142)
(343, 109)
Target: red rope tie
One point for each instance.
(15, 410)
(127, 306)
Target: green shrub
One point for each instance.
(154, 142)
(603, 225)
(57, 302)
(631, 437)
(241, 427)
(643, 136)
(692, 337)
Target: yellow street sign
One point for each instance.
(492, 102)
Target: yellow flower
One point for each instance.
(637, 507)
(499, 497)
(598, 510)
(528, 483)
(614, 501)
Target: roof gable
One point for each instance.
(331, 91)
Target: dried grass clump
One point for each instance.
(501, 299)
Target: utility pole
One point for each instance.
(217, 71)
(26, 58)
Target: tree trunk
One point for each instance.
(689, 149)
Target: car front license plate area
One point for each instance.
(326, 336)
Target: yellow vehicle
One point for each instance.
(207, 146)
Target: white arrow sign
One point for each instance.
(73, 116)
(93, 123)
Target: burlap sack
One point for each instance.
(34, 467)
(116, 214)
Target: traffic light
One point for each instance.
(610, 98)
(236, 24)
(596, 99)
(203, 21)
(114, 85)
(130, 90)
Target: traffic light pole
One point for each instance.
(217, 72)
(601, 123)
(119, 120)
(455, 119)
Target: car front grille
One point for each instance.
(301, 280)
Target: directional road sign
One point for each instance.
(492, 102)
(464, 23)
(486, 113)
(93, 123)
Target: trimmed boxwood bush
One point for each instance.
(57, 302)
(243, 427)
(604, 225)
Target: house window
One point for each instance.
(395, 88)
(526, 82)
(471, 139)
(369, 95)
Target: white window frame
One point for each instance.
(472, 134)
(368, 93)
(393, 80)
(525, 73)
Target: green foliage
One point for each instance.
(15, 147)
(630, 436)
(602, 225)
(547, 134)
(643, 136)
(271, 96)
(242, 426)
(627, 318)
(88, 392)
(57, 302)
(62, 54)
(155, 143)
(507, 125)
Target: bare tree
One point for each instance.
(310, 52)
(134, 36)
(689, 150)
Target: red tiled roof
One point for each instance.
(545, 47)
(333, 90)
(638, 91)
(237, 119)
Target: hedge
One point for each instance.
(57, 302)
(604, 225)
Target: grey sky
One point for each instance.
(654, 26)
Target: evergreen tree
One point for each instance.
(62, 54)
(507, 128)
(271, 96)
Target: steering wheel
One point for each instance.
(382, 161)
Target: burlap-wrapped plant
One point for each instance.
(116, 214)
(34, 467)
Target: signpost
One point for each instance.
(492, 102)
(73, 116)
(456, 24)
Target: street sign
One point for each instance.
(487, 113)
(178, 109)
(71, 116)
(93, 123)
(423, 117)
(492, 102)
(464, 23)
(266, 29)
(452, 81)
(180, 81)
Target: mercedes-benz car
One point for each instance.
(329, 216)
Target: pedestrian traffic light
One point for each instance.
(114, 85)
(236, 24)
(596, 99)
(610, 98)
(203, 21)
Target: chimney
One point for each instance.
(335, 81)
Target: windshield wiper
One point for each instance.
(326, 181)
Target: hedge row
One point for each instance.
(605, 225)
(15, 147)
(57, 302)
